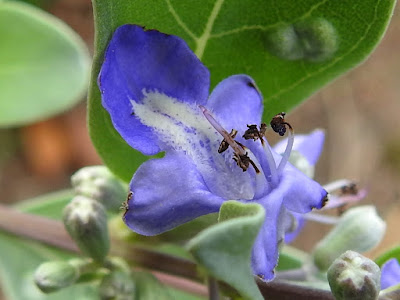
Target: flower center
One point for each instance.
(244, 157)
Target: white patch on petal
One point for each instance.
(183, 127)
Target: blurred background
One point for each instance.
(359, 111)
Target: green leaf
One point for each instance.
(48, 205)
(18, 261)
(224, 249)
(291, 48)
(148, 287)
(291, 258)
(44, 65)
(392, 253)
(19, 258)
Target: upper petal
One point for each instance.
(236, 102)
(168, 192)
(137, 61)
(309, 145)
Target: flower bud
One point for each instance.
(86, 221)
(353, 276)
(98, 183)
(359, 229)
(54, 275)
(117, 285)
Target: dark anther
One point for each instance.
(253, 133)
(243, 161)
(125, 204)
(278, 124)
(263, 129)
(350, 189)
(224, 144)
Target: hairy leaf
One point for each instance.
(44, 65)
(224, 249)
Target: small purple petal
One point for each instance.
(300, 222)
(390, 273)
(300, 193)
(236, 102)
(137, 61)
(309, 145)
(168, 192)
(265, 250)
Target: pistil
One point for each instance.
(240, 155)
(227, 137)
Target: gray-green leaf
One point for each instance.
(44, 65)
(224, 249)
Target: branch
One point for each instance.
(52, 232)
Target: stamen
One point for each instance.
(224, 144)
(321, 218)
(263, 129)
(288, 150)
(337, 185)
(243, 161)
(247, 158)
(240, 154)
(271, 163)
(339, 201)
(279, 124)
(350, 189)
(252, 133)
(227, 137)
(259, 176)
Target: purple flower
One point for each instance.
(390, 273)
(156, 92)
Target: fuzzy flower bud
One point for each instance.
(98, 183)
(86, 221)
(359, 229)
(353, 276)
(54, 275)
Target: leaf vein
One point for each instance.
(245, 28)
(203, 39)
(179, 20)
(266, 27)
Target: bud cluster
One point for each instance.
(359, 229)
(98, 183)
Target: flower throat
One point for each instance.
(243, 156)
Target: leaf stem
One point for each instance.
(213, 289)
